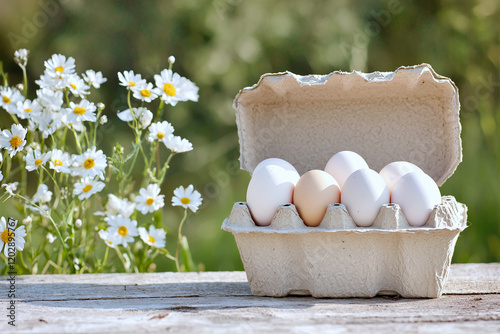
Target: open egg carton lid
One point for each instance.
(411, 114)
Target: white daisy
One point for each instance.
(42, 195)
(60, 161)
(144, 91)
(21, 57)
(149, 199)
(77, 86)
(87, 187)
(10, 187)
(118, 206)
(94, 78)
(155, 237)
(187, 198)
(174, 88)
(111, 239)
(144, 116)
(50, 238)
(35, 159)
(13, 141)
(125, 227)
(28, 109)
(160, 131)
(129, 79)
(50, 100)
(90, 164)
(9, 98)
(52, 83)
(9, 234)
(83, 111)
(177, 144)
(58, 66)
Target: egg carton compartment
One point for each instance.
(338, 259)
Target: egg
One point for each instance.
(277, 162)
(363, 194)
(343, 164)
(417, 194)
(392, 172)
(269, 187)
(313, 193)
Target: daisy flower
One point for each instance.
(149, 199)
(21, 57)
(42, 195)
(144, 116)
(48, 82)
(58, 66)
(87, 187)
(94, 79)
(111, 239)
(174, 88)
(60, 161)
(125, 227)
(35, 159)
(90, 164)
(160, 131)
(177, 144)
(10, 187)
(28, 109)
(77, 86)
(9, 98)
(83, 111)
(13, 141)
(49, 99)
(187, 198)
(118, 206)
(155, 237)
(144, 91)
(9, 234)
(129, 79)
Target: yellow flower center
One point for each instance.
(28, 110)
(79, 110)
(58, 162)
(160, 135)
(73, 86)
(169, 89)
(6, 99)
(145, 92)
(7, 235)
(59, 69)
(185, 200)
(131, 83)
(150, 201)
(89, 163)
(151, 239)
(122, 230)
(38, 162)
(87, 188)
(15, 142)
(109, 242)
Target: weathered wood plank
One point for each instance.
(221, 302)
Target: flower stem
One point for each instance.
(179, 236)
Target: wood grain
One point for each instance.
(221, 302)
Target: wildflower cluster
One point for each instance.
(80, 193)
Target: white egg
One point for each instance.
(363, 194)
(392, 172)
(343, 164)
(276, 162)
(270, 187)
(417, 194)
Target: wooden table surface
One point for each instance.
(221, 302)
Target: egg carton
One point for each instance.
(411, 114)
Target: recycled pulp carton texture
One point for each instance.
(410, 114)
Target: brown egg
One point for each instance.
(314, 191)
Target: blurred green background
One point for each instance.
(225, 45)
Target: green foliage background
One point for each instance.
(225, 45)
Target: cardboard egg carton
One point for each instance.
(411, 114)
